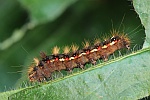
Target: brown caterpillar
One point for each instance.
(42, 69)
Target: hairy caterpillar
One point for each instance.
(42, 69)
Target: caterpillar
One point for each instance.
(73, 57)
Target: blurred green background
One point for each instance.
(30, 26)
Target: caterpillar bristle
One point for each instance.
(30, 69)
(74, 48)
(97, 41)
(42, 54)
(36, 61)
(86, 44)
(55, 50)
(114, 32)
(66, 49)
(118, 33)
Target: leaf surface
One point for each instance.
(126, 78)
(143, 10)
(45, 10)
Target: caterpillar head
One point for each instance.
(121, 41)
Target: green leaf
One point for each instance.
(5, 95)
(143, 10)
(45, 10)
(125, 78)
